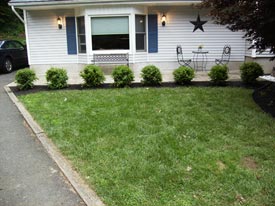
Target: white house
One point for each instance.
(67, 33)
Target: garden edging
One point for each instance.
(87, 195)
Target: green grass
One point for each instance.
(164, 147)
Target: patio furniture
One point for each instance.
(111, 58)
(181, 60)
(200, 59)
(225, 56)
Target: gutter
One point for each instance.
(14, 11)
(102, 2)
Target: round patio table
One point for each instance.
(200, 59)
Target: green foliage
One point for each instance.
(256, 18)
(6, 14)
(250, 71)
(183, 75)
(123, 76)
(11, 27)
(151, 75)
(218, 74)
(92, 75)
(56, 78)
(25, 78)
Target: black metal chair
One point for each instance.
(181, 60)
(225, 56)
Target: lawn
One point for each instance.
(164, 147)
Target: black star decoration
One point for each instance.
(198, 24)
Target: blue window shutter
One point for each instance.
(153, 33)
(71, 35)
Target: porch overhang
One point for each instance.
(56, 4)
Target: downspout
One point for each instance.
(26, 30)
(14, 11)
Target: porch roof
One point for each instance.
(42, 3)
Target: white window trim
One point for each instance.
(77, 35)
(146, 34)
(109, 51)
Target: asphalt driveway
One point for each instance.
(28, 176)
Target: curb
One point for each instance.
(86, 194)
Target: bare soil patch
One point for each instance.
(221, 165)
(249, 163)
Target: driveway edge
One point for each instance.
(86, 194)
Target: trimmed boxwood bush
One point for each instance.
(250, 71)
(183, 75)
(151, 75)
(24, 78)
(218, 74)
(92, 75)
(56, 78)
(123, 76)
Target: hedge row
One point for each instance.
(93, 76)
(123, 76)
(250, 71)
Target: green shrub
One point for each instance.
(25, 78)
(183, 75)
(151, 75)
(92, 75)
(123, 76)
(218, 74)
(56, 78)
(250, 71)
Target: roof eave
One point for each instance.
(103, 2)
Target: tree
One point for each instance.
(255, 17)
(5, 12)
(9, 22)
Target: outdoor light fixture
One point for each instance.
(59, 22)
(163, 20)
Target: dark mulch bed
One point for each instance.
(265, 98)
(264, 94)
(35, 89)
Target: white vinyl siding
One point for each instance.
(46, 43)
(179, 31)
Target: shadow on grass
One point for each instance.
(265, 98)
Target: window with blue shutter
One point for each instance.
(71, 35)
(152, 33)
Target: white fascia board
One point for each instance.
(74, 3)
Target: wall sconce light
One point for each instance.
(163, 20)
(59, 22)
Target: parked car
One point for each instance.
(13, 55)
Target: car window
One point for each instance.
(8, 45)
(17, 45)
(12, 45)
(1, 42)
